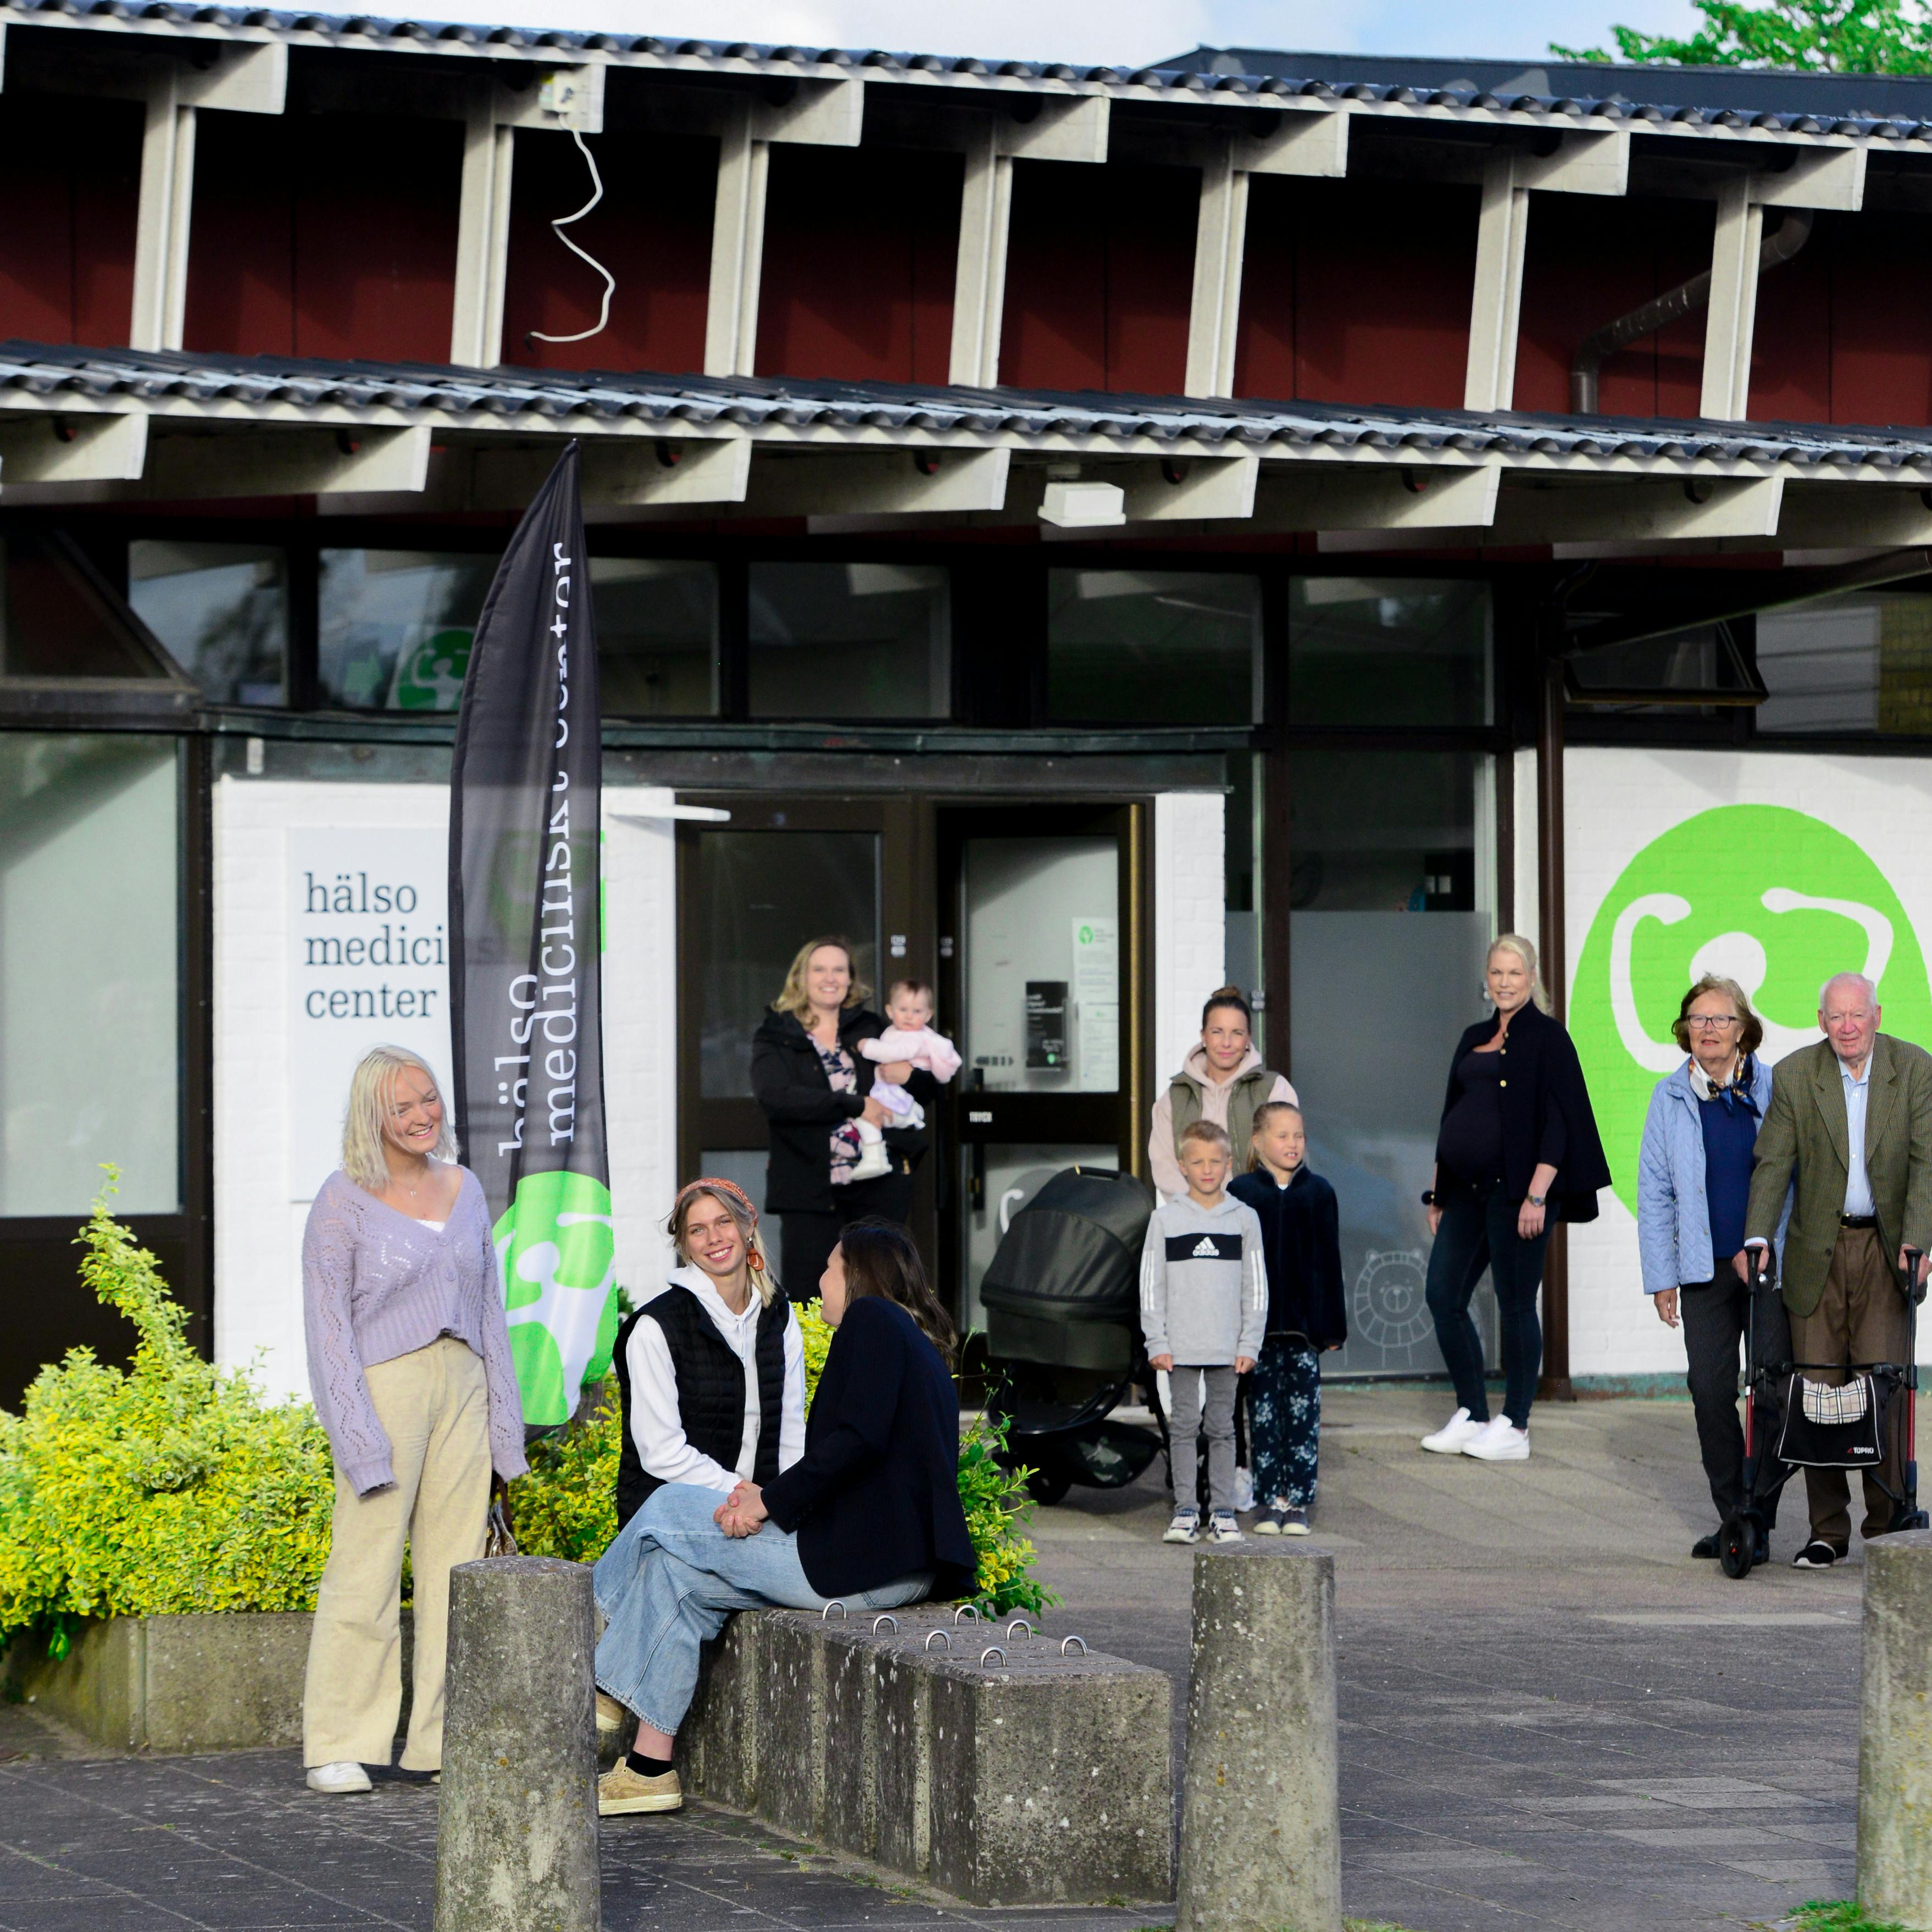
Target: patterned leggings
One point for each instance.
(1285, 1421)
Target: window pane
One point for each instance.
(1153, 647)
(760, 896)
(55, 623)
(88, 1054)
(1365, 650)
(221, 610)
(1858, 663)
(395, 627)
(1392, 885)
(850, 640)
(657, 637)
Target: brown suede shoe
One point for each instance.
(620, 1791)
(610, 1713)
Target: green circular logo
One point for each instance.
(1773, 898)
(429, 676)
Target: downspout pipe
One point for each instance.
(1791, 234)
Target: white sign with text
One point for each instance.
(368, 966)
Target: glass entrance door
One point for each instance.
(1040, 940)
(751, 891)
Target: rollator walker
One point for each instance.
(1792, 1423)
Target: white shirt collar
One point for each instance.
(1702, 1086)
(1864, 1078)
(701, 1285)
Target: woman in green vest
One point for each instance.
(1222, 1080)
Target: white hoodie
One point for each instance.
(1165, 1169)
(656, 1423)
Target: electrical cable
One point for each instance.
(558, 226)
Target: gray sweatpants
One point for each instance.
(1189, 1418)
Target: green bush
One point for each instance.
(169, 1486)
(172, 1485)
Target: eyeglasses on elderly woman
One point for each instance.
(1711, 1022)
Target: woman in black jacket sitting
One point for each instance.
(870, 1513)
(815, 1086)
(1518, 1148)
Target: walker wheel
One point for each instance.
(1915, 1519)
(1048, 1485)
(1737, 1544)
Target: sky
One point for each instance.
(1114, 32)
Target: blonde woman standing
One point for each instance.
(1517, 1150)
(815, 1086)
(409, 1357)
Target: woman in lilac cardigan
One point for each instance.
(409, 1357)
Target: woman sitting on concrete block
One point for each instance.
(869, 1514)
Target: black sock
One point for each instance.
(647, 1767)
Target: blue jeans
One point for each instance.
(671, 1578)
(1478, 1232)
(1285, 1421)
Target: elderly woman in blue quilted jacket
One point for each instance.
(1692, 1181)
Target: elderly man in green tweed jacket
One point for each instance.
(1853, 1116)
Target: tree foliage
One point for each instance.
(1814, 36)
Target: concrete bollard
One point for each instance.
(1895, 1732)
(1261, 1824)
(516, 1842)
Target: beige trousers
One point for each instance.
(433, 1406)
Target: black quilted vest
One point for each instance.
(710, 1391)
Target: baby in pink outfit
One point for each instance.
(909, 1005)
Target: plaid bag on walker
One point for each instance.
(1829, 1426)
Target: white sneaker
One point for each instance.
(1244, 1491)
(1501, 1441)
(340, 1777)
(1448, 1440)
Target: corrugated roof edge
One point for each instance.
(47, 371)
(371, 31)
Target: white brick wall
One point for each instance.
(258, 1229)
(1616, 802)
(1189, 919)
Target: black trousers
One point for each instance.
(806, 1241)
(1713, 1313)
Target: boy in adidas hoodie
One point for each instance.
(1203, 1309)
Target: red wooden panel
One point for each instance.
(1881, 316)
(1360, 291)
(860, 248)
(1054, 333)
(1591, 258)
(325, 235)
(240, 282)
(1791, 342)
(1151, 216)
(652, 230)
(67, 246)
(1099, 275)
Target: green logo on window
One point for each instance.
(1773, 898)
(429, 675)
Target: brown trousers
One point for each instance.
(1861, 1319)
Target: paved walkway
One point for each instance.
(1551, 1716)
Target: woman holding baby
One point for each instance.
(841, 1090)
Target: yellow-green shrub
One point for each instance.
(170, 1486)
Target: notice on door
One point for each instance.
(1046, 1025)
(1096, 1004)
(368, 965)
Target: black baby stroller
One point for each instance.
(1062, 1297)
(1792, 1423)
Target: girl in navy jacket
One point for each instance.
(1301, 1240)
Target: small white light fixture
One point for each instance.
(1084, 506)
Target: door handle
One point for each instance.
(976, 1177)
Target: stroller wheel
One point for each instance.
(1914, 1519)
(1737, 1545)
(1048, 1485)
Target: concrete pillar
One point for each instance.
(1895, 1732)
(516, 1842)
(1261, 1827)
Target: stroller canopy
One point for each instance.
(1073, 1253)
